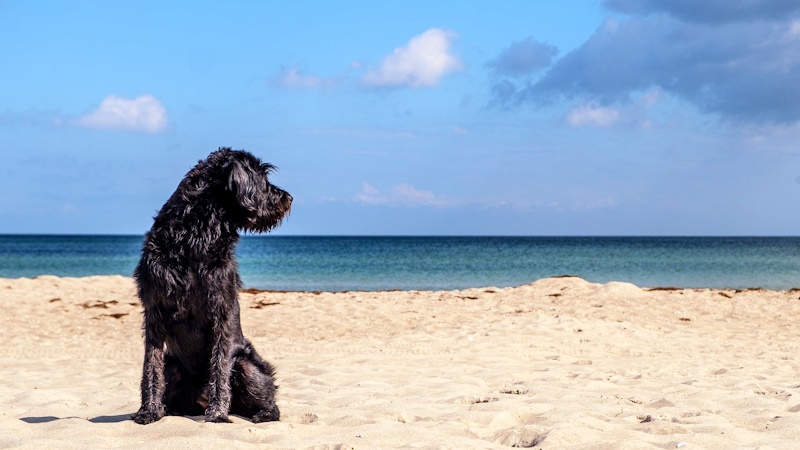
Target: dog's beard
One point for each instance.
(277, 206)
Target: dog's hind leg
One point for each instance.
(153, 385)
(253, 387)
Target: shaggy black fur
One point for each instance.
(196, 359)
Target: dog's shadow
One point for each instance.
(111, 419)
(98, 419)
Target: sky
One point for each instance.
(547, 117)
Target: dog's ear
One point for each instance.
(244, 185)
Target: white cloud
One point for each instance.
(293, 78)
(421, 63)
(370, 195)
(401, 194)
(410, 196)
(593, 115)
(144, 113)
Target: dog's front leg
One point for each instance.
(153, 384)
(219, 377)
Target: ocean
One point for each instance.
(323, 263)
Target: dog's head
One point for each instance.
(253, 203)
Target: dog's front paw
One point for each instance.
(143, 417)
(218, 418)
(217, 415)
(267, 415)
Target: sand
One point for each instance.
(560, 363)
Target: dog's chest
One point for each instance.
(189, 336)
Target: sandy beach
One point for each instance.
(560, 363)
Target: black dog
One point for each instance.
(196, 359)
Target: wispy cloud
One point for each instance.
(584, 203)
(293, 78)
(365, 133)
(144, 114)
(592, 114)
(406, 195)
(370, 195)
(401, 194)
(423, 62)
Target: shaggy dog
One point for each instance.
(196, 359)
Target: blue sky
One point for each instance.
(613, 117)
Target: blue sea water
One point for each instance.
(381, 263)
